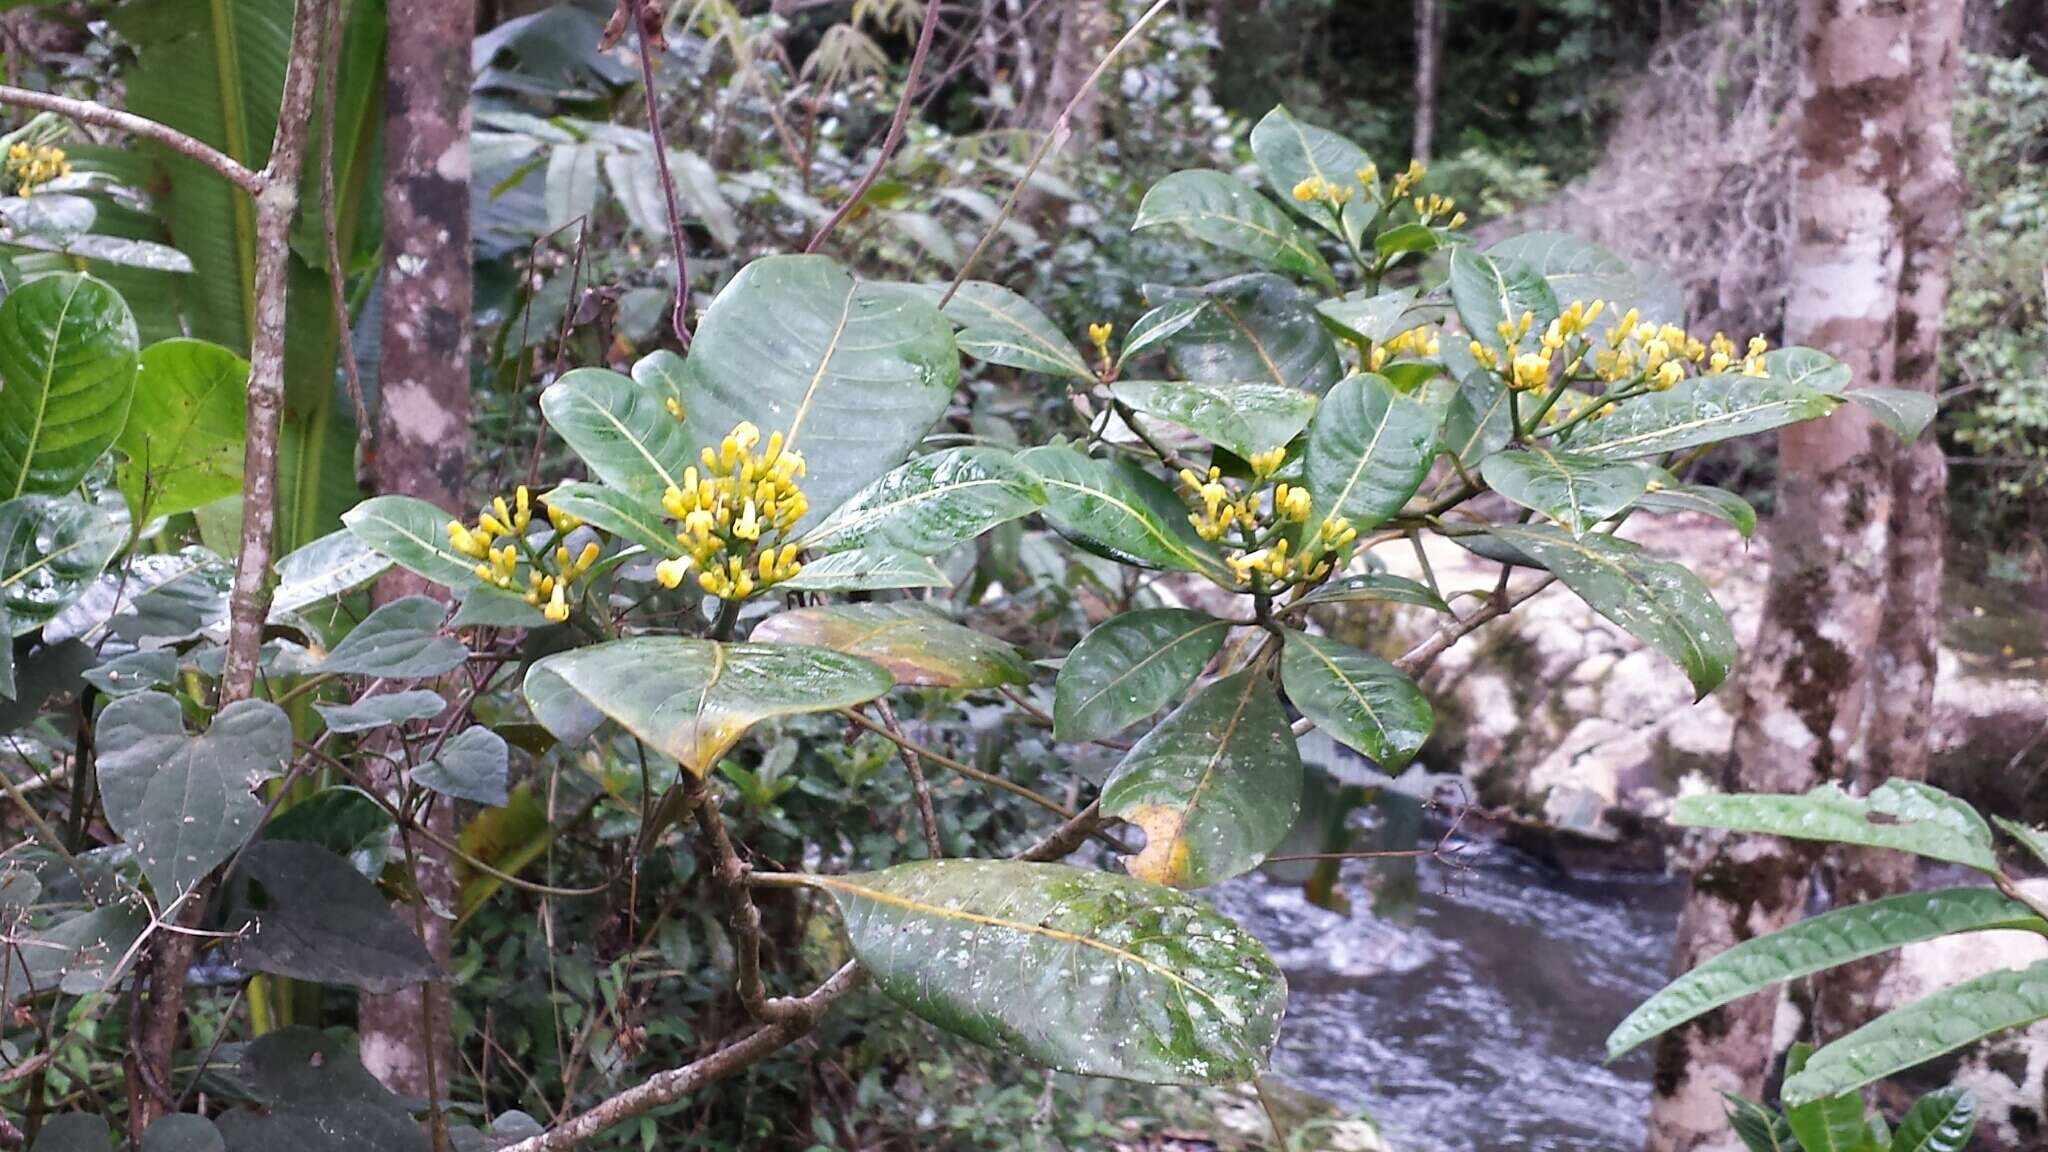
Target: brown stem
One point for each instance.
(730, 873)
(927, 816)
(895, 134)
(101, 116)
(967, 770)
(648, 33)
(337, 291)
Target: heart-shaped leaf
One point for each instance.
(1257, 327)
(866, 570)
(1218, 208)
(693, 699)
(1085, 972)
(1244, 419)
(1576, 491)
(1361, 700)
(1289, 151)
(51, 550)
(916, 644)
(1214, 787)
(472, 765)
(930, 504)
(1369, 448)
(1131, 666)
(307, 914)
(68, 362)
(400, 641)
(1490, 292)
(1000, 327)
(182, 1132)
(184, 433)
(623, 430)
(135, 672)
(1116, 509)
(316, 1098)
(182, 802)
(79, 955)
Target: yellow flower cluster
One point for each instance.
(736, 515)
(1314, 188)
(30, 166)
(1531, 370)
(1404, 182)
(1259, 524)
(1419, 342)
(1431, 208)
(1661, 354)
(499, 563)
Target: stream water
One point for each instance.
(1464, 1009)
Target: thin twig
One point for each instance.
(967, 770)
(101, 116)
(648, 37)
(927, 817)
(337, 290)
(893, 137)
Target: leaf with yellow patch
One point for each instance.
(916, 644)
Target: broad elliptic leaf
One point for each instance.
(183, 1132)
(1906, 412)
(1667, 493)
(1940, 1121)
(336, 563)
(317, 1099)
(1576, 270)
(1699, 410)
(1832, 1124)
(1942, 1022)
(1490, 292)
(1373, 319)
(1658, 602)
(928, 505)
(693, 699)
(307, 914)
(915, 643)
(181, 801)
(1369, 448)
(1375, 586)
(1759, 1128)
(68, 362)
(1082, 971)
(1000, 327)
(1214, 787)
(1902, 815)
(623, 430)
(135, 672)
(1809, 368)
(866, 570)
(1116, 509)
(1576, 491)
(851, 373)
(2034, 840)
(80, 955)
(52, 548)
(1362, 701)
(1157, 326)
(341, 819)
(1817, 944)
(472, 766)
(1258, 327)
(385, 711)
(400, 641)
(1218, 208)
(1289, 151)
(183, 438)
(74, 1132)
(617, 512)
(1131, 666)
(414, 535)
(1243, 419)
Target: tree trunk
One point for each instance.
(423, 418)
(1428, 49)
(1080, 38)
(1801, 716)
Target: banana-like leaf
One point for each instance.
(1940, 1121)
(1902, 815)
(930, 504)
(183, 439)
(1131, 666)
(1576, 491)
(68, 362)
(52, 549)
(1244, 419)
(1000, 327)
(1289, 151)
(1256, 327)
(1218, 208)
(1081, 971)
(1369, 448)
(1362, 701)
(916, 644)
(1116, 509)
(1489, 292)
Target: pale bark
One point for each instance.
(1428, 51)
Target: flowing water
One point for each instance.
(1464, 1009)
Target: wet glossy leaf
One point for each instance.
(623, 430)
(1814, 945)
(414, 535)
(866, 570)
(1903, 815)
(51, 550)
(336, 563)
(385, 711)
(472, 765)
(135, 672)
(1667, 494)
(852, 373)
(1258, 327)
(181, 801)
(1218, 208)
(1940, 1121)
(693, 699)
(2034, 840)
(1082, 971)
(68, 362)
(1214, 787)
(1489, 292)
(1577, 270)
(1480, 420)
(931, 504)
(1157, 326)
(317, 1099)
(1808, 367)
(1660, 603)
(307, 914)
(1576, 491)
(1373, 319)
(1131, 666)
(1116, 509)
(1375, 586)
(1000, 327)
(183, 438)
(1361, 700)
(1243, 419)
(1759, 1128)
(183, 1132)
(1942, 1022)
(1700, 410)
(400, 641)
(1905, 412)
(1369, 448)
(1836, 1124)
(79, 955)
(618, 513)
(915, 643)
(1289, 151)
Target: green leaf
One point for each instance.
(1759, 1128)
(1481, 420)
(414, 535)
(1699, 410)
(2034, 840)
(68, 362)
(316, 1098)
(1369, 448)
(916, 644)
(1907, 413)
(852, 373)
(617, 512)
(135, 672)
(1808, 368)
(1372, 319)
(1490, 292)
(1257, 327)
(400, 641)
(386, 711)
(929, 505)
(1668, 494)
(1815, 945)
(336, 563)
(1576, 491)
(1157, 326)
(1940, 1121)
(1129, 667)
(1214, 787)
(1000, 327)
(1409, 237)
(1289, 151)
(1902, 815)
(1660, 603)
(622, 429)
(1375, 586)
(472, 765)
(692, 700)
(1244, 419)
(1081, 971)
(183, 438)
(182, 1132)
(866, 570)
(1218, 208)
(1836, 1124)
(305, 913)
(341, 819)
(1578, 270)
(1116, 509)
(74, 1132)
(1362, 701)
(84, 954)
(182, 802)
(51, 550)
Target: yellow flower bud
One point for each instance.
(1306, 190)
(670, 573)
(1531, 371)
(558, 606)
(1668, 376)
(674, 406)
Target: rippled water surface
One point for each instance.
(1467, 1013)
